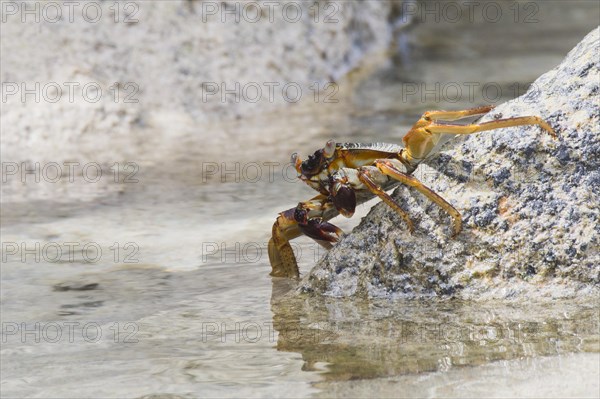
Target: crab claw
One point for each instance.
(318, 229)
(342, 194)
(344, 199)
(315, 227)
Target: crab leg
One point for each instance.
(427, 136)
(281, 255)
(293, 223)
(363, 176)
(454, 115)
(481, 127)
(388, 168)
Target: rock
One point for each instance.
(530, 207)
(156, 65)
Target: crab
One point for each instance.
(346, 175)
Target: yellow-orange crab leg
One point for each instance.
(281, 255)
(454, 115)
(419, 142)
(496, 124)
(426, 136)
(388, 168)
(363, 176)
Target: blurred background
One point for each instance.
(145, 155)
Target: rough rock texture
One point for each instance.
(171, 53)
(530, 208)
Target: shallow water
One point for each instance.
(179, 302)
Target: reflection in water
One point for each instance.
(369, 339)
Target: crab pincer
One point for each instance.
(315, 227)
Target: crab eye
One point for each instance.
(329, 149)
(297, 162)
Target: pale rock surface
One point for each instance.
(167, 58)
